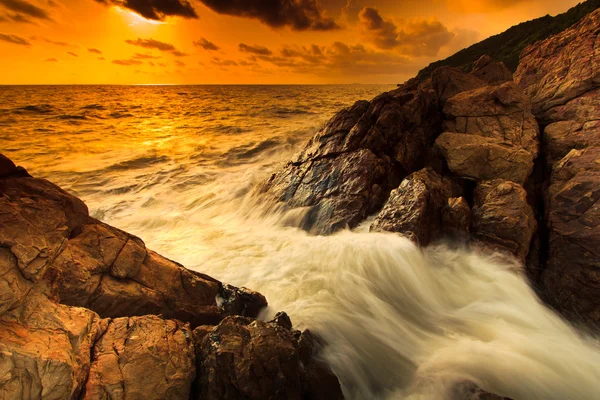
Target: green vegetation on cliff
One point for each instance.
(508, 45)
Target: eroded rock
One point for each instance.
(456, 218)
(490, 71)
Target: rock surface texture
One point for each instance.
(88, 312)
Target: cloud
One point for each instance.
(14, 39)
(127, 62)
(476, 6)
(16, 18)
(54, 42)
(23, 7)
(299, 15)
(95, 51)
(179, 63)
(157, 10)
(151, 44)
(224, 63)
(178, 53)
(256, 49)
(51, 60)
(139, 56)
(101, 58)
(206, 45)
(416, 38)
(72, 54)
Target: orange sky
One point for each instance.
(259, 41)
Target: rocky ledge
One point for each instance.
(88, 312)
(507, 163)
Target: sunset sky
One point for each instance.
(243, 41)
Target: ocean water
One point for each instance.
(175, 165)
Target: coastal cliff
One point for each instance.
(509, 164)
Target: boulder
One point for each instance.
(562, 68)
(490, 71)
(45, 349)
(414, 208)
(456, 218)
(244, 358)
(563, 136)
(142, 358)
(490, 125)
(572, 275)
(448, 82)
(347, 169)
(502, 218)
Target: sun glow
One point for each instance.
(134, 19)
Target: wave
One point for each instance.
(137, 163)
(35, 109)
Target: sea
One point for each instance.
(176, 165)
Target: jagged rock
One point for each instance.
(456, 217)
(142, 358)
(47, 233)
(492, 126)
(490, 71)
(9, 169)
(448, 82)
(243, 358)
(572, 275)
(346, 170)
(45, 349)
(562, 68)
(563, 136)
(502, 218)
(414, 208)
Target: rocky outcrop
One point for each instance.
(490, 133)
(414, 209)
(491, 71)
(142, 358)
(54, 256)
(502, 218)
(244, 358)
(456, 218)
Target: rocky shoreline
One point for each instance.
(508, 163)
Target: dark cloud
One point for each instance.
(54, 42)
(179, 63)
(51, 60)
(157, 10)
(178, 53)
(299, 15)
(72, 54)
(95, 51)
(16, 18)
(23, 7)
(14, 39)
(152, 44)
(413, 38)
(224, 63)
(127, 62)
(206, 45)
(139, 56)
(256, 49)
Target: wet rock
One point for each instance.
(448, 82)
(242, 358)
(490, 71)
(347, 169)
(502, 218)
(142, 358)
(45, 349)
(9, 169)
(561, 69)
(493, 126)
(414, 208)
(572, 275)
(456, 217)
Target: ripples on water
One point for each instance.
(174, 165)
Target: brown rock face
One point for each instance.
(448, 82)
(490, 71)
(561, 69)
(242, 358)
(45, 349)
(572, 275)
(456, 217)
(414, 208)
(491, 133)
(142, 358)
(502, 218)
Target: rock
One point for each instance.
(572, 275)
(456, 217)
(9, 169)
(562, 68)
(347, 169)
(45, 349)
(490, 125)
(142, 358)
(479, 158)
(414, 208)
(502, 218)
(490, 71)
(563, 136)
(448, 82)
(242, 358)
